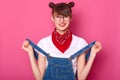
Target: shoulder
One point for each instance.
(44, 40)
(43, 43)
(79, 41)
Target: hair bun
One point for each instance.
(51, 5)
(71, 4)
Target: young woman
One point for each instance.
(62, 43)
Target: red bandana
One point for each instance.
(62, 42)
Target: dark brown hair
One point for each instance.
(62, 8)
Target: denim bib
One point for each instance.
(60, 68)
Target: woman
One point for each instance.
(62, 43)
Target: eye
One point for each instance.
(57, 16)
(66, 17)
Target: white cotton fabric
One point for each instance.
(47, 45)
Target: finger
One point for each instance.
(25, 44)
(98, 44)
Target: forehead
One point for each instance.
(57, 14)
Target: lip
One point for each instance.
(62, 24)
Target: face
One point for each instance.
(61, 22)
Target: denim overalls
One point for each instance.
(60, 68)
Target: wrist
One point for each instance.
(30, 53)
(93, 54)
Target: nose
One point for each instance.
(62, 19)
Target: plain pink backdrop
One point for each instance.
(92, 20)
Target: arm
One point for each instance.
(84, 69)
(36, 70)
(42, 64)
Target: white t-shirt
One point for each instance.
(77, 43)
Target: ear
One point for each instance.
(52, 18)
(71, 19)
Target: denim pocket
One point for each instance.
(60, 72)
(61, 69)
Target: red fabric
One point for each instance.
(62, 42)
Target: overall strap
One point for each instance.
(37, 48)
(83, 50)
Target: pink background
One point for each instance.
(92, 20)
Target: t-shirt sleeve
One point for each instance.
(40, 45)
(82, 43)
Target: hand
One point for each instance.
(96, 47)
(27, 47)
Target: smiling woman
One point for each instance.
(61, 44)
(61, 15)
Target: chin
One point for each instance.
(63, 28)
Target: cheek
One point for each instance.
(56, 23)
(68, 23)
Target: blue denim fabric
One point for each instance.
(60, 68)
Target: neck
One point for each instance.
(61, 32)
